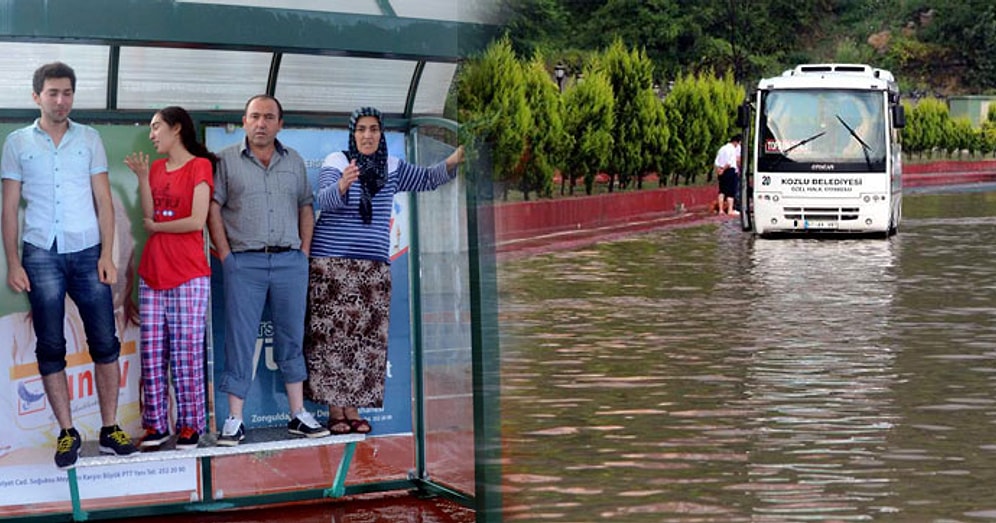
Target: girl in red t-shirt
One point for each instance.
(175, 276)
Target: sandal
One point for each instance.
(359, 426)
(340, 426)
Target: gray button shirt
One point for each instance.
(260, 205)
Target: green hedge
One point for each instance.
(931, 131)
(611, 118)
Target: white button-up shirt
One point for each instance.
(728, 155)
(55, 184)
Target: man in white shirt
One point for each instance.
(727, 167)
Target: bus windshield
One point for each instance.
(821, 129)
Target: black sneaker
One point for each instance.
(67, 449)
(304, 424)
(114, 441)
(153, 439)
(232, 433)
(187, 439)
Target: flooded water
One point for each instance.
(386, 509)
(700, 374)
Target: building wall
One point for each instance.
(976, 108)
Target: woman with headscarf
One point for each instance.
(350, 274)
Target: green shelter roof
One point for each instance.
(325, 56)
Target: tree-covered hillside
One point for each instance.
(933, 46)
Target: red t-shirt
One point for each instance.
(171, 259)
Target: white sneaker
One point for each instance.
(232, 433)
(304, 424)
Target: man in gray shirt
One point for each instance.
(261, 221)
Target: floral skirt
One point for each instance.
(345, 349)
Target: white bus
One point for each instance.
(824, 156)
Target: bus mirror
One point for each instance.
(898, 116)
(743, 115)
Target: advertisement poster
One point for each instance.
(29, 429)
(266, 404)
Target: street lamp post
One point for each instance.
(558, 73)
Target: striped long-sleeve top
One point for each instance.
(340, 232)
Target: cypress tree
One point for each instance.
(492, 108)
(589, 118)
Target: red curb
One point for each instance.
(536, 227)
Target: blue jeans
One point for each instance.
(52, 276)
(251, 281)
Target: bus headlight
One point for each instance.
(868, 198)
(868, 221)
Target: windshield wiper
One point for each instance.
(864, 147)
(803, 142)
(785, 153)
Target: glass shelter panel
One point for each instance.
(366, 7)
(453, 10)
(196, 79)
(18, 62)
(433, 88)
(446, 329)
(336, 84)
(481, 11)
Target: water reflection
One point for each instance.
(820, 377)
(391, 508)
(699, 375)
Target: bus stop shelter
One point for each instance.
(438, 431)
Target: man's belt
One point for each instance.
(271, 249)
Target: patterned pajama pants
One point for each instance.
(173, 328)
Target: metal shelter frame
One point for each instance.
(281, 33)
